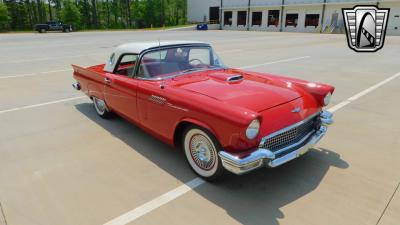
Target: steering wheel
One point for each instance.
(198, 60)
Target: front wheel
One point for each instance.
(101, 108)
(201, 151)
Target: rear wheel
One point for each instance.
(101, 108)
(42, 30)
(201, 151)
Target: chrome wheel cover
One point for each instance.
(202, 151)
(100, 106)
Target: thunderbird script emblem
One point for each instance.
(366, 27)
(296, 110)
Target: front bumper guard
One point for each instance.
(264, 157)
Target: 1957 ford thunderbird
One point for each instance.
(224, 119)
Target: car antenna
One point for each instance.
(162, 86)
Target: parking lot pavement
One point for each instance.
(61, 164)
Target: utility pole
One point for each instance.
(221, 15)
(322, 16)
(248, 15)
(281, 20)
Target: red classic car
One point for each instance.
(223, 118)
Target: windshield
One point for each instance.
(176, 61)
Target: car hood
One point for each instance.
(239, 89)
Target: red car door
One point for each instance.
(120, 93)
(153, 110)
(120, 90)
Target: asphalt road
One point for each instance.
(61, 164)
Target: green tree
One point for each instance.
(4, 17)
(93, 14)
(19, 15)
(70, 14)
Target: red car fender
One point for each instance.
(318, 90)
(198, 123)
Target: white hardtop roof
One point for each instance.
(138, 47)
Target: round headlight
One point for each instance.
(327, 99)
(252, 130)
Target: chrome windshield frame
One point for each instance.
(136, 70)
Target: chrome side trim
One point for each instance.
(177, 107)
(157, 99)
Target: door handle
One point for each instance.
(107, 80)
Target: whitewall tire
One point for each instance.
(201, 151)
(101, 108)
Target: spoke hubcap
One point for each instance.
(202, 152)
(100, 105)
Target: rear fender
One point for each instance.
(92, 83)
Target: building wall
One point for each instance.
(264, 22)
(332, 21)
(393, 27)
(199, 10)
(302, 12)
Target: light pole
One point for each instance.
(322, 16)
(281, 20)
(221, 17)
(248, 15)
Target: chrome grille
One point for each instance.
(291, 136)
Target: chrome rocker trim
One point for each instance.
(263, 156)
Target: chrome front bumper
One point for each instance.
(264, 157)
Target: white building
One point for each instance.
(298, 15)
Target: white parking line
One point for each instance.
(269, 63)
(362, 93)
(177, 192)
(34, 74)
(155, 203)
(41, 104)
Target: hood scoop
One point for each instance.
(226, 77)
(234, 78)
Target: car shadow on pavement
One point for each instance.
(251, 199)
